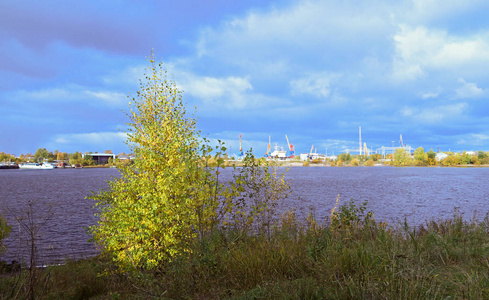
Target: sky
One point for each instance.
(312, 70)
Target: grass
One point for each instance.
(352, 256)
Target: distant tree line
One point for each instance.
(403, 158)
(42, 154)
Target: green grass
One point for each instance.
(352, 257)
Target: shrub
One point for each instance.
(369, 163)
(4, 232)
(167, 195)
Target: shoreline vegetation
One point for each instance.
(399, 159)
(170, 228)
(348, 256)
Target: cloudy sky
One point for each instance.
(312, 70)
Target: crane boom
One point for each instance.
(240, 148)
(269, 147)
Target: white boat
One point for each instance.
(37, 166)
(280, 154)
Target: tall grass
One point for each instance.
(351, 256)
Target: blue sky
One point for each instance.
(312, 70)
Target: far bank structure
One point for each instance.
(101, 158)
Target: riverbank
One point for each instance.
(305, 164)
(350, 257)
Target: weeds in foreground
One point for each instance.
(352, 256)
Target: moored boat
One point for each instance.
(279, 153)
(8, 165)
(37, 166)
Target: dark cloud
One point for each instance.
(37, 25)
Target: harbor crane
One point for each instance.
(310, 152)
(291, 148)
(406, 147)
(269, 150)
(240, 153)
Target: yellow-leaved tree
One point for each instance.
(167, 196)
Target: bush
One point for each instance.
(4, 232)
(167, 195)
(170, 197)
(369, 163)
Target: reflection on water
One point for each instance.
(417, 194)
(58, 198)
(59, 207)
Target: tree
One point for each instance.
(401, 158)
(76, 158)
(88, 160)
(465, 159)
(431, 157)
(167, 196)
(375, 157)
(344, 157)
(481, 155)
(451, 160)
(249, 201)
(61, 156)
(370, 162)
(43, 153)
(7, 157)
(419, 156)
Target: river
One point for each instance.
(55, 199)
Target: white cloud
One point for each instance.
(127, 77)
(315, 84)
(409, 111)
(334, 143)
(468, 90)
(418, 50)
(304, 29)
(430, 94)
(52, 94)
(211, 88)
(230, 92)
(112, 98)
(434, 114)
(428, 10)
(226, 92)
(72, 94)
(93, 139)
(476, 139)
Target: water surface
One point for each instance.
(56, 200)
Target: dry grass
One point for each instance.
(351, 257)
